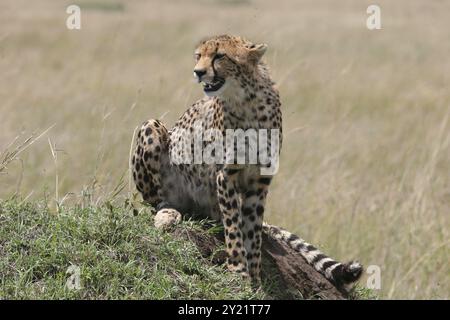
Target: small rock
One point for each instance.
(166, 218)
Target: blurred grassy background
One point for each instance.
(365, 169)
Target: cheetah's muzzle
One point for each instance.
(213, 86)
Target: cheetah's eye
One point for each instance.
(197, 56)
(219, 55)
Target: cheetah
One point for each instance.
(239, 94)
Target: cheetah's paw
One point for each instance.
(166, 218)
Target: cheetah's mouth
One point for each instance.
(215, 85)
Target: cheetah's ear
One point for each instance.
(255, 52)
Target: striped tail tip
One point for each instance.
(347, 273)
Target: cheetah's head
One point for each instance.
(225, 63)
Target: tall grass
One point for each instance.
(365, 168)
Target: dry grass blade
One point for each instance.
(7, 156)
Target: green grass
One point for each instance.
(120, 256)
(363, 293)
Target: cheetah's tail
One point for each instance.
(342, 275)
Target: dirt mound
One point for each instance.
(285, 273)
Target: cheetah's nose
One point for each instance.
(199, 73)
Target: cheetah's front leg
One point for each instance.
(253, 204)
(229, 204)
